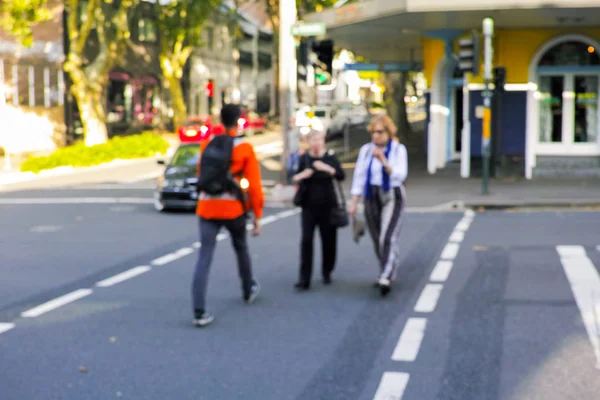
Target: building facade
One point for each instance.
(32, 87)
(548, 114)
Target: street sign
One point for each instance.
(309, 29)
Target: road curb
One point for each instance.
(534, 204)
(12, 178)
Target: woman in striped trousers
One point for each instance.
(379, 175)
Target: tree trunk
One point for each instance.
(90, 101)
(177, 100)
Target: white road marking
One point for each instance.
(6, 326)
(598, 247)
(470, 213)
(222, 236)
(410, 341)
(152, 175)
(441, 272)
(77, 200)
(269, 219)
(289, 213)
(585, 284)
(450, 251)
(429, 298)
(46, 228)
(196, 245)
(176, 255)
(457, 237)
(133, 272)
(571, 251)
(392, 386)
(56, 303)
(463, 225)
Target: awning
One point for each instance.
(392, 31)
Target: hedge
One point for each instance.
(79, 155)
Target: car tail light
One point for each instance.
(204, 129)
(191, 132)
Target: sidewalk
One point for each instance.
(443, 192)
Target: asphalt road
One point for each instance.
(484, 308)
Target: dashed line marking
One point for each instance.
(457, 237)
(168, 258)
(463, 225)
(410, 341)
(392, 386)
(429, 298)
(6, 326)
(131, 273)
(450, 251)
(56, 303)
(441, 272)
(123, 276)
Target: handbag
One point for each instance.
(339, 215)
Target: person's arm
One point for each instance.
(255, 191)
(359, 178)
(338, 172)
(397, 165)
(303, 171)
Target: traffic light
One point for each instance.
(468, 54)
(323, 49)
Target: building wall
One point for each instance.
(433, 52)
(34, 118)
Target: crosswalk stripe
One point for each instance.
(585, 284)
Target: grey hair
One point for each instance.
(314, 132)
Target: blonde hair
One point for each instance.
(387, 123)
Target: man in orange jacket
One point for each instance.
(227, 208)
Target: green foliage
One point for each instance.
(146, 144)
(181, 22)
(17, 17)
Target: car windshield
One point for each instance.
(186, 156)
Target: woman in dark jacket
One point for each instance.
(316, 173)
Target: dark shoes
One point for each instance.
(384, 286)
(251, 296)
(202, 318)
(302, 286)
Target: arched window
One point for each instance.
(571, 54)
(568, 88)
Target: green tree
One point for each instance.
(108, 22)
(17, 17)
(181, 26)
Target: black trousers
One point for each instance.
(313, 217)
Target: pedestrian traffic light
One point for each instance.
(323, 49)
(468, 54)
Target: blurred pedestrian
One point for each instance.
(381, 168)
(319, 196)
(228, 170)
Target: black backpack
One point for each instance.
(215, 166)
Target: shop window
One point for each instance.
(146, 100)
(147, 31)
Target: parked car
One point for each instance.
(344, 115)
(197, 129)
(250, 123)
(308, 117)
(176, 187)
